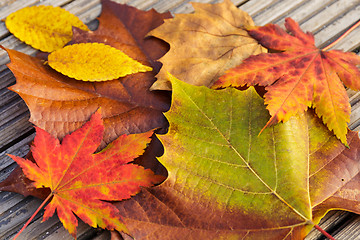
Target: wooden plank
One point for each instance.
(355, 116)
(20, 148)
(41, 230)
(143, 4)
(272, 13)
(6, 96)
(328, 15)
(9, 200)
(14, 218)
(61, 233)
(88, 10)
(238, 3)
(186, 6)
(80, 6)
(351, 231)
(19, 209)
(12, 110)
(255, 7)
(13, 6)
(337, 27)
(165, 5)
(52, 229)
(6, 172)
(15, 128)
(350, 42)
(332, 218)
(90, 15)
(12, 42)
(305, 11)
(6, 79)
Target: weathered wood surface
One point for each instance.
(327, 19)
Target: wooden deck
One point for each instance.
(327, 19)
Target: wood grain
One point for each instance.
(327, 19)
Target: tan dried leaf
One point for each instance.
(205, 44)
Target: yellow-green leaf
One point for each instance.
(94, 62)
(46, 28)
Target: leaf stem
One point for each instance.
(324, 232)
(32, 216)
(342, 36)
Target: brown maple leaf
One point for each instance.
(80, 181)
(298, 77)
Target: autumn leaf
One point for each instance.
(46, 28)
(204, 44)
(60, 105)
(298, 77)
(94, 62)
(226, 182)
(19, 183)
(81, 181)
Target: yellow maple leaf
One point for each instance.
(94, 62)
(46, 28)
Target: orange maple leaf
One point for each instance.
(80, 179)
(298, 77)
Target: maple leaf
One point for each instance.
(94, 62)
(226, 182)
(60, 105)
(298, 77)
(46, 28)
(81, 181)
(204, 44)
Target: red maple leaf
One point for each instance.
(298, 77)
(79, 179)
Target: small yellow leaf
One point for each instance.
(94, 62)
(46, 28)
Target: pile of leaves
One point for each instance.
(237, 165)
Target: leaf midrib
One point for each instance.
(97, 163)
(68, 168)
